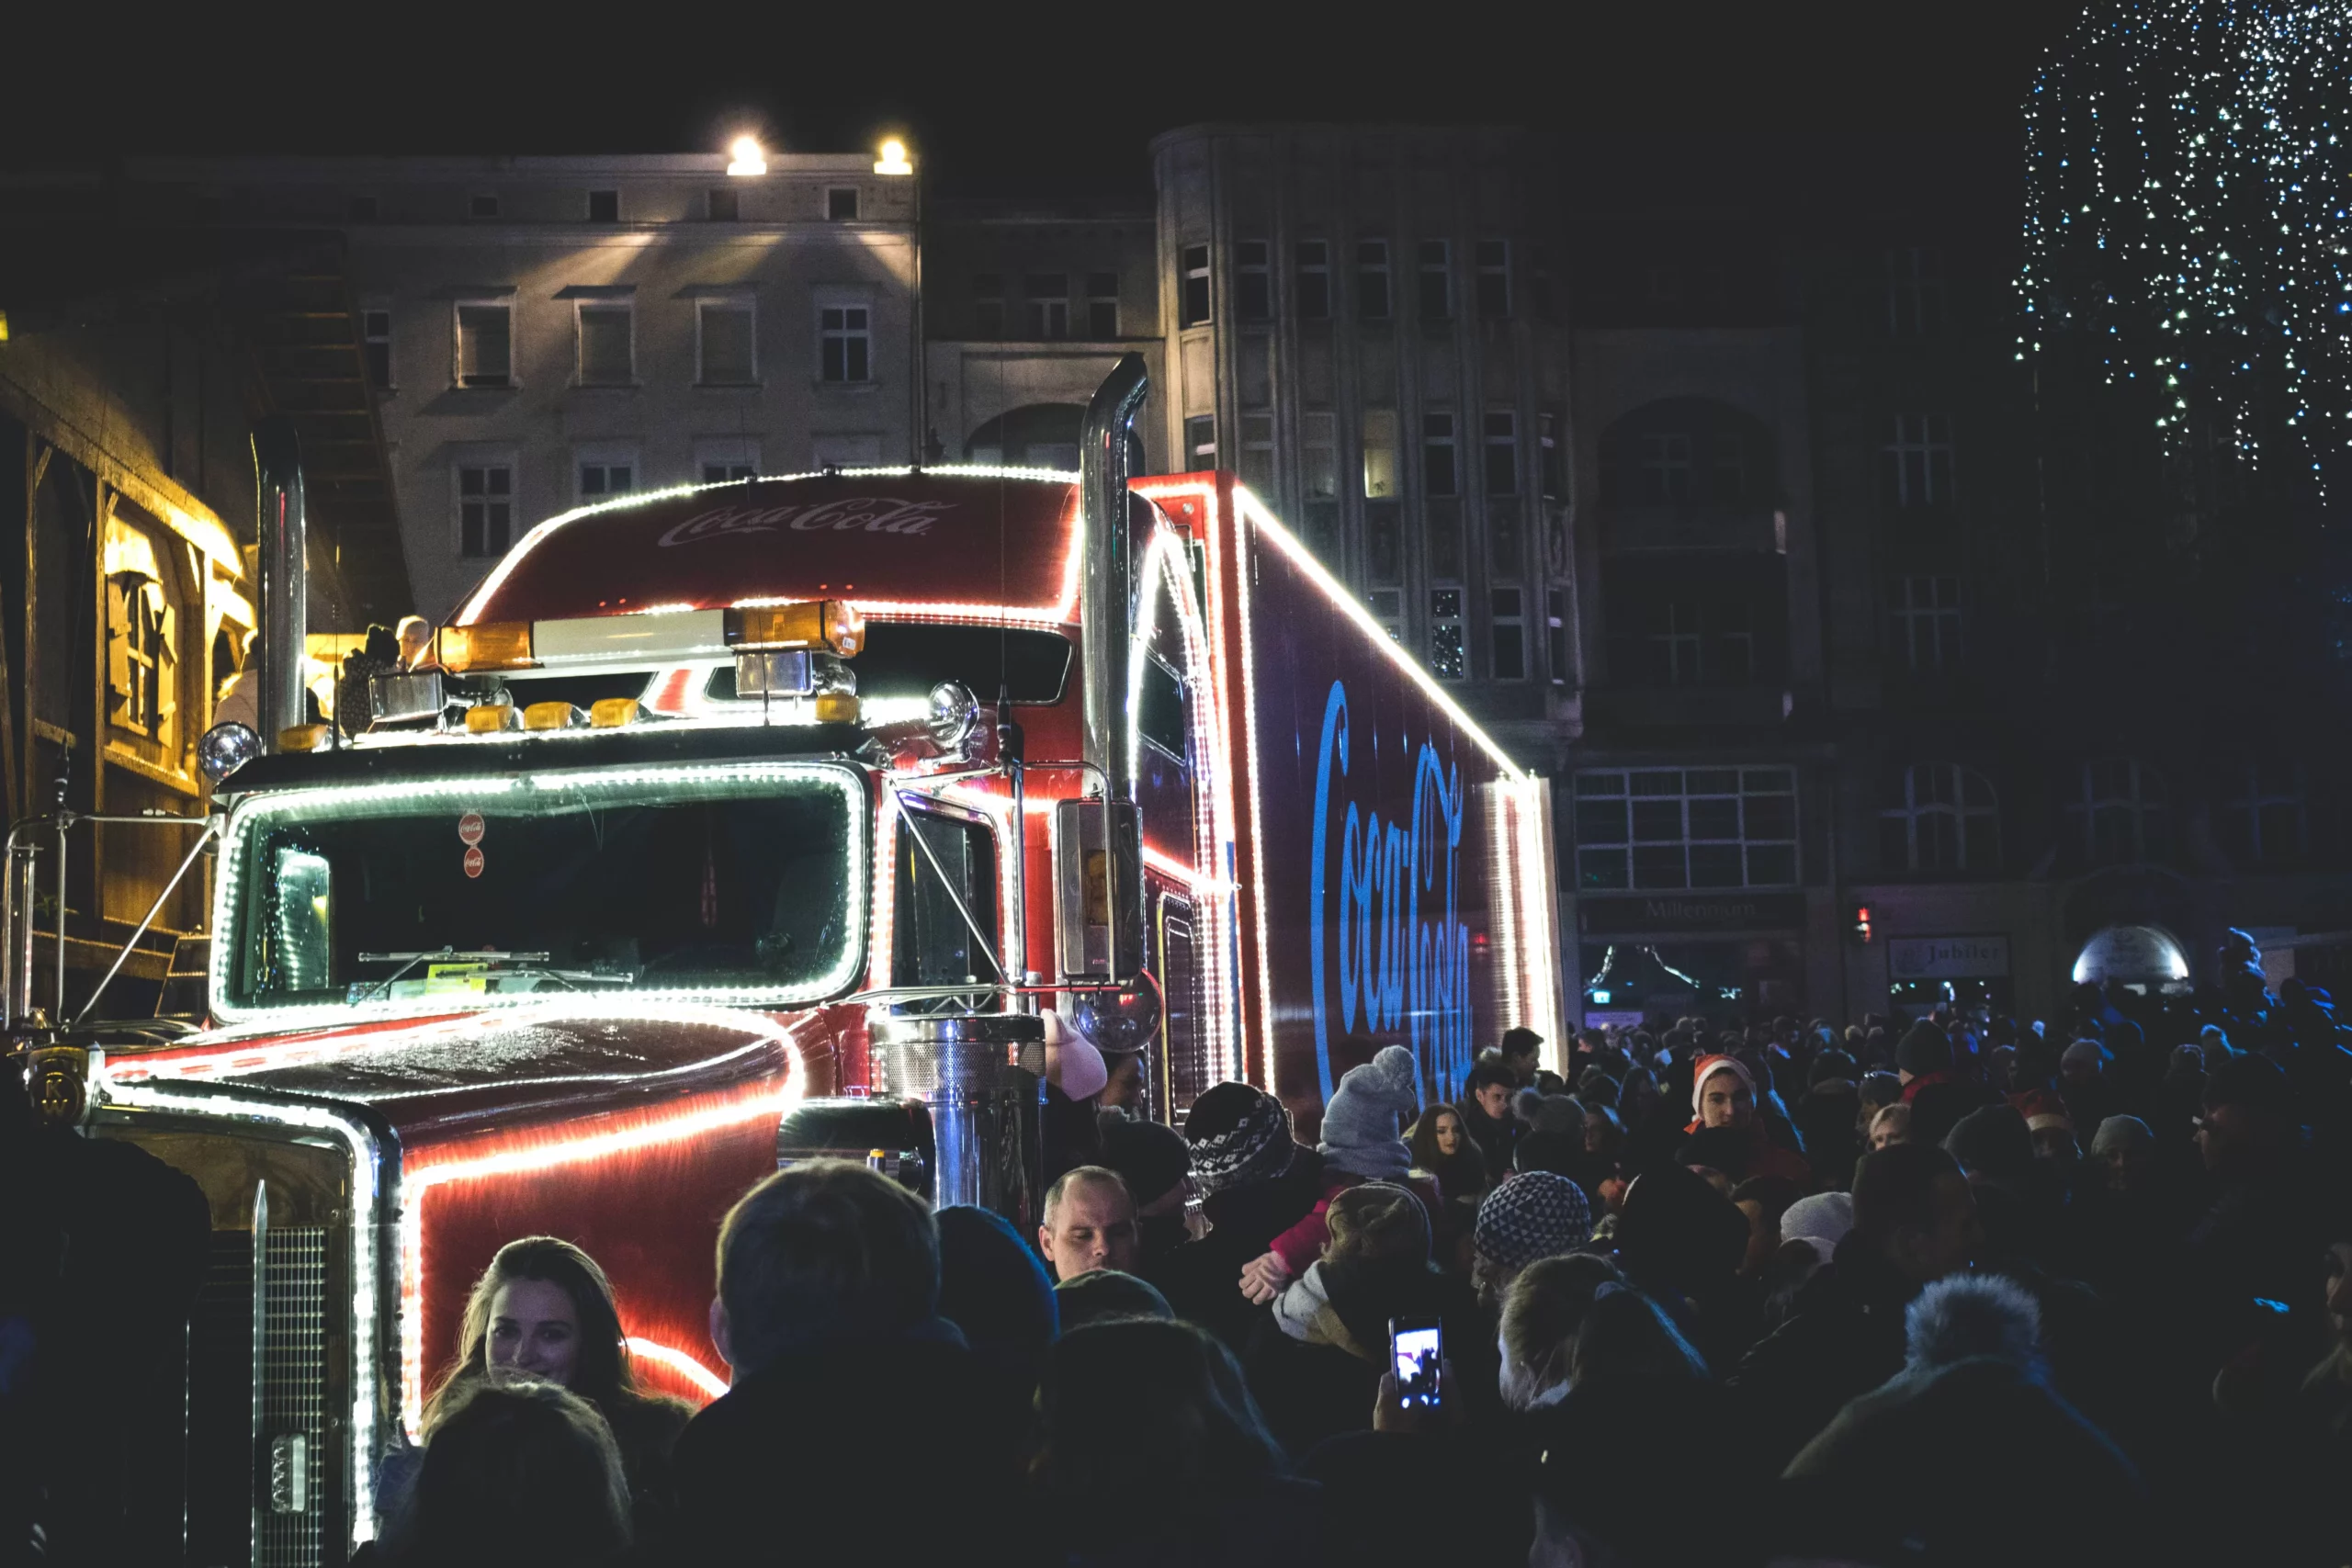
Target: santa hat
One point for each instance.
(2042, 1109)
(1708, 1067)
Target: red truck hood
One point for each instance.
(448, 1075)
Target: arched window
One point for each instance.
(1940, 817)
(2120, 812)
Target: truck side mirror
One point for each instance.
(1091, 879)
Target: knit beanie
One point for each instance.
(1820, 1221)
(1072, 1064)
(2120, 1135)
(1993, 1142)
(1534, 1214)
(1359, 1124)
(1923, 1050)
(1239, 1134)
(2082, 1052)
(1150, 1158)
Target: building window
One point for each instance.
(1673, 642)
(2119, 814)
(1502, 452)
(1101, 305)
(2265, 812)
(1927, 622)
(1200, 441)
(1552, 464)
(1371, 280)
(1258, 452)
(1915, 292)
(1493, 279)
(142, 662)
(841, 204)
(725, 336)
(601, 480)
(845, 342)
(1194, 300)
(375, 345)
(1940, 817)
(1510, 605)
(1449, 659)
(1383, 538)
(1319, 454)
(988, 305)
(608, 353)
(1046, 294)
(1311, 281)
(1387, 607)
(1539, 281)
(723, 205)
(1916, 470)
(485, 509)
(1556, 634)
(725, 459)
(1437, 280)
(1667, 469)
(1439, 474)
(603, 207)
(1253, 281)
(1379, 453)
(1660, 829)
(485, 345)
(481, 207)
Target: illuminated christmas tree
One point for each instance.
(2186, 230)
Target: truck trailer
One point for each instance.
(736, 824)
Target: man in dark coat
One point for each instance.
(1915, 1220)
(827, 1311)
(1256, 1181)
(1484, 1106)
(1938, 1097)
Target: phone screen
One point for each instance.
(1417, 1349)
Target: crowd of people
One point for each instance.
(1945, 1289)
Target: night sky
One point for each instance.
(1001, 100)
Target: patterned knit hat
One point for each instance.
(1534, 1214)
(1239, 1134)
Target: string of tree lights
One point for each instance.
(2186, 229)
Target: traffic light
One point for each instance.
(1861, 924)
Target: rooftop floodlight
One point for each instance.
(894, 159)
(749, 159)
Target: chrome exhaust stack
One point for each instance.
(282, 529)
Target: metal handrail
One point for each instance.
(17, 900)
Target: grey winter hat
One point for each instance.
(1359, 1124)
(2120, 1134)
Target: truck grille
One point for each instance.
(290, 1493)
(261, 1454)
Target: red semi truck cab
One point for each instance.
(725, 825)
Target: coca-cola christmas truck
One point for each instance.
(735, 824)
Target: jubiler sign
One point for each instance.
(1948, 957)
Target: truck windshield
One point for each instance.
(743, 881)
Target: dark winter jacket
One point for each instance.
(1314, 1363)
(1844, 1337)
(782, 1468)
(1202, 1279)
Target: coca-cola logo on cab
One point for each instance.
(854, 514)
